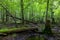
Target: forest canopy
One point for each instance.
(32, 9)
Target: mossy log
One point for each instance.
(5, 32)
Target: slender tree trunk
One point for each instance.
(47, 9)
(7, 18)
(32, 14)
(22, 11)
(3, 17)
(47, 29)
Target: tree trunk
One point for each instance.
(22, 11)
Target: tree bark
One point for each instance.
(22, 11)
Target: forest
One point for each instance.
(30, 19)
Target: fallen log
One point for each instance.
(5, 32)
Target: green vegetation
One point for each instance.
(5, 30)
(33, 10)
(29, 13)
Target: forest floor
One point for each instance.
(12, 27)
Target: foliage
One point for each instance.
(33, 9)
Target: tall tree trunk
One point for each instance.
(47, 29)
(47, 9)
(22, 11)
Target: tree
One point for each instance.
(22, 11)
(47, 29)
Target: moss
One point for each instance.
(13, 29)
